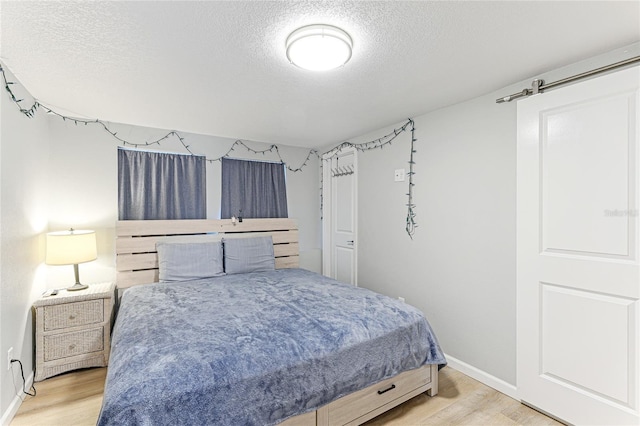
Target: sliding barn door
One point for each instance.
(578, 274)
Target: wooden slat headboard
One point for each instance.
(137, 259)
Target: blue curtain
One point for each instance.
(253, 189)
(154, 185)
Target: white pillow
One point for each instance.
(189, 261)
(248, 255)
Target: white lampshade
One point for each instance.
(319, 47)
(71, 247)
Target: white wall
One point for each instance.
(460, 269)
(24, 149)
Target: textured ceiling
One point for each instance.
(219, 68)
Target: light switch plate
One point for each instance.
(399, 175)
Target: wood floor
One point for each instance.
(75, 399)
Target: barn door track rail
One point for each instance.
(538, 86)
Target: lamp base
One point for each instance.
(77, 286)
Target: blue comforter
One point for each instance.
(254, 349)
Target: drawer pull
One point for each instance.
(72, 347)
(380, 392)
(72, 317)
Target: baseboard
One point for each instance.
(8, 415)
(483, 377)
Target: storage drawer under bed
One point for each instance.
(358, 404)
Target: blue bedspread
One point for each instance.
(254, 349)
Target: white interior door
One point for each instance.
(578, 275)
(340, 217)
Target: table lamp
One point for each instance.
(70, 248)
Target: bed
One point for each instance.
(275, 346)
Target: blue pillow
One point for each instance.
(243, 255)
(189, 261)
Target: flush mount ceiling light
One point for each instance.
(319, 47)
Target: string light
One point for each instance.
(411, 215)
(379, 143)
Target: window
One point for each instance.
(252, 189)
(154, 185)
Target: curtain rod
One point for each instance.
(538, 86)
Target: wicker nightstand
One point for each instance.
(73, 330)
